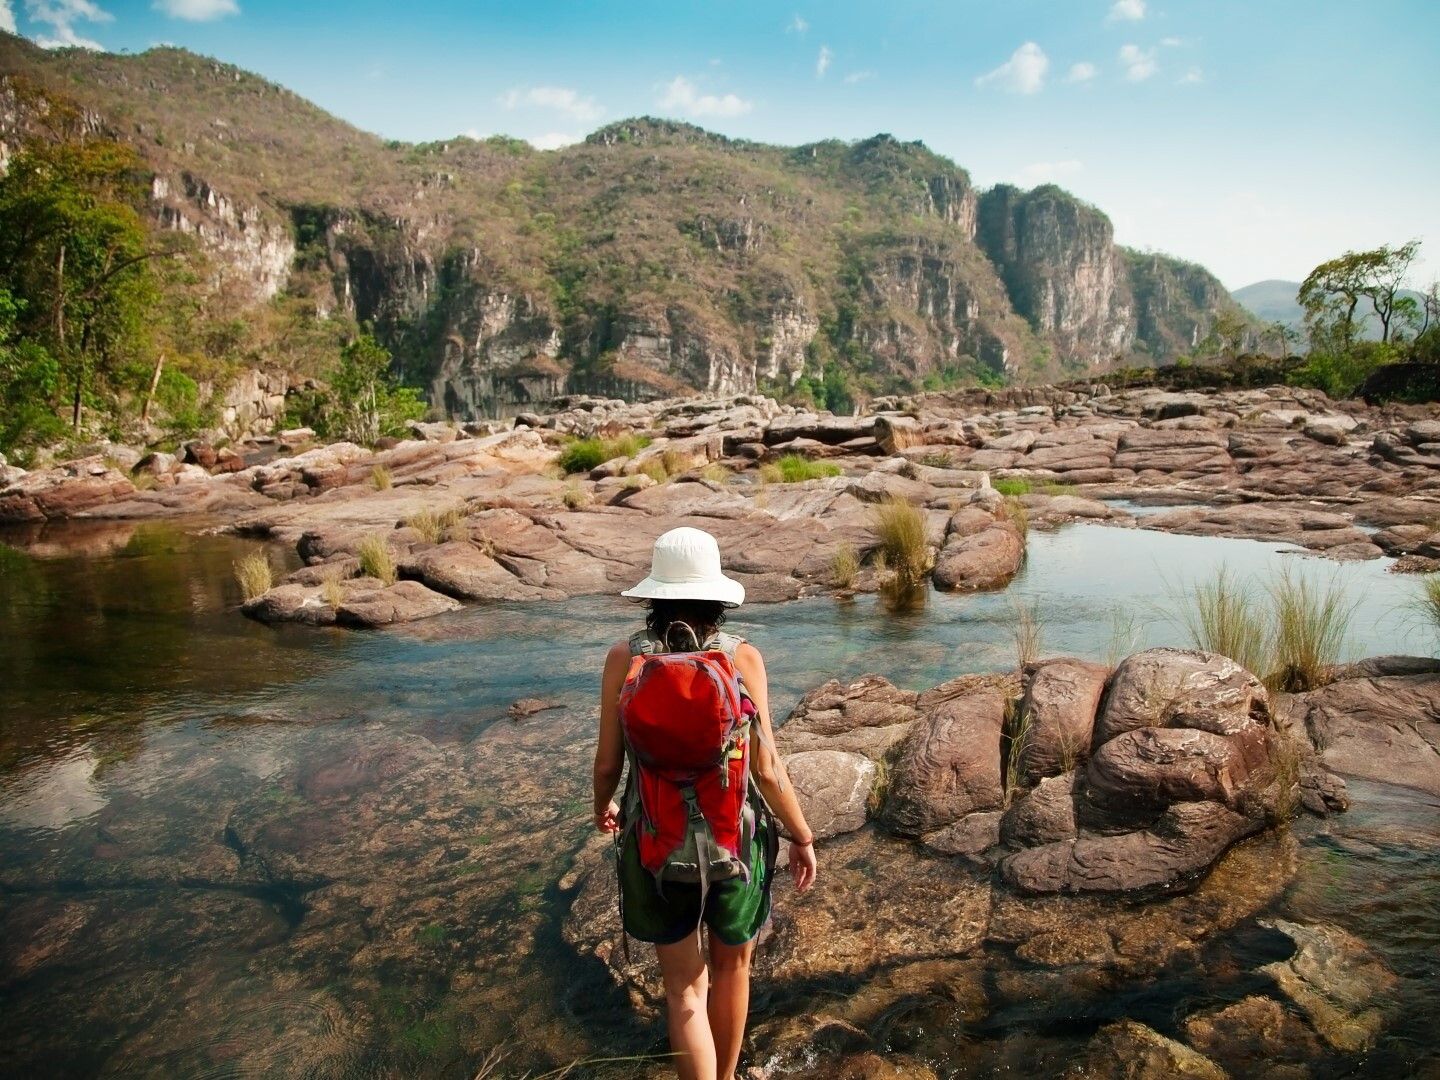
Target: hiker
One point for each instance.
(696, 839)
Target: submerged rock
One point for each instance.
(1128, 1050)
(1252, 1031)
(1336, 981)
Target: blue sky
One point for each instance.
(1255, 136)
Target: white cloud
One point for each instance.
(1172, 42)
(553, 140)
(1084, 71)
(1042, 172)
(822, 62)
(7, 17)
(1192, 77)
(858, 77)
(60, 16)
(1126, 11)
(797, 26)
(197, 10)
(682, 96)
(1139, 64)
(560, 98)
(1023, 73)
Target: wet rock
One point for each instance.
(833, 788)
(291, 603)
(1254, 1032)
(1043, 815)
(1061, 698)
(1336, 981)
(525, 708)
(871, 1066)
(461, 569)
(1179, 848)
(868, 716)
(973, 838)
(984, 560)
(949, 765)
(1178, 687)
(1385, 728)
(1318, 530)
(405, 601)
(1128, 1050)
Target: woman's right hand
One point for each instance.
(802, 865)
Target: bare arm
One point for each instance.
(610, 748)
(768, 769)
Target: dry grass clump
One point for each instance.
(716, 473)
(655, 469)
(845, 566)
(433, 526)
(381, 479)
(254, 575)
(905, 558)
(1311, 624)
(330, 590)
(1014, 733)
(771, 474)
(1286, 756)
(673, 462)
(1013, 510)
(574, 496)
(1028, 630)
(1429, 599)
(1223, 617)
(376, 559)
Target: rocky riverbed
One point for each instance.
(489, 516)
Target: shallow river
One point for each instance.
(231, 850)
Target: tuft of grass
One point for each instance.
(1223, 616)
(1011, 486)
(330, 590)
(433, 526)
(938, 460)
(1124, 635)
(1027, 629)
(795, 469)
(1014, 511)
(381, 479)
(905, 558)
(716, 473)
(1014, 733)
(486, 544)
(655, 469)
(1286, 756)
(771, 474)
(376, 559)
(1312, 622)
(582, 455)
(673, 462)
(574, 496)
(254, 575)
(845, 566)
(1429, 599)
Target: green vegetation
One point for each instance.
(582, 455)
(845, 566)
(905, 559)
(1429, 599)
(1015, 486)
(376, 559)
(254, 575)
(795, 469)
(433, 525)
(363, 401)
(1292, 642)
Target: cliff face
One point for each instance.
(652, 259)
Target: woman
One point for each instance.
(705, 1011)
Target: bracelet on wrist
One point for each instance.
(803, 843)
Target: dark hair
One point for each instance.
(702, 616)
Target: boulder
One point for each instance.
(973, 837)
(868, 716)
(896, 433)
(1336, 981)
(1177, 687)
(1128, 1050)
(405, 601)
(1167, 857)
(985, 560)
(833, 788)
(1254, 1029)
(1384, 728)
(1142, 771)
(949, 765)
(1043, 815)
(1061, 699)
(458, 568)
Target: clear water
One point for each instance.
(228, 849)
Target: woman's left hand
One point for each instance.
(608, 820)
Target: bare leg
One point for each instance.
(682, 966)
(729, 1001)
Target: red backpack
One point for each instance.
(686, 718)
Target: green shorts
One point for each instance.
(735, 909)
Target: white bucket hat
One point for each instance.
(685, 565)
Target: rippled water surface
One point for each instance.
(228, 850)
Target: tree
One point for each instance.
(1336, 289)
(75, 252)
(29, 379)
(1284, 336)
(364, 402)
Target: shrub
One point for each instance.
(1311, 625)
(376, 559)
(905, 557)
(381, 479)
(582, 455)
(845, 566)
(795, 469)
(1011, 485)
(1222, 616)
(254, 576)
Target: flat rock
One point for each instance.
(460, 569)
(1385, 728)
(1254, 1029)
(973, 837)
(949, 765)
(1336, 981)
(405, 601)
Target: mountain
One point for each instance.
(652, 258)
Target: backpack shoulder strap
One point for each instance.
(726, 643)
(642, 644)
